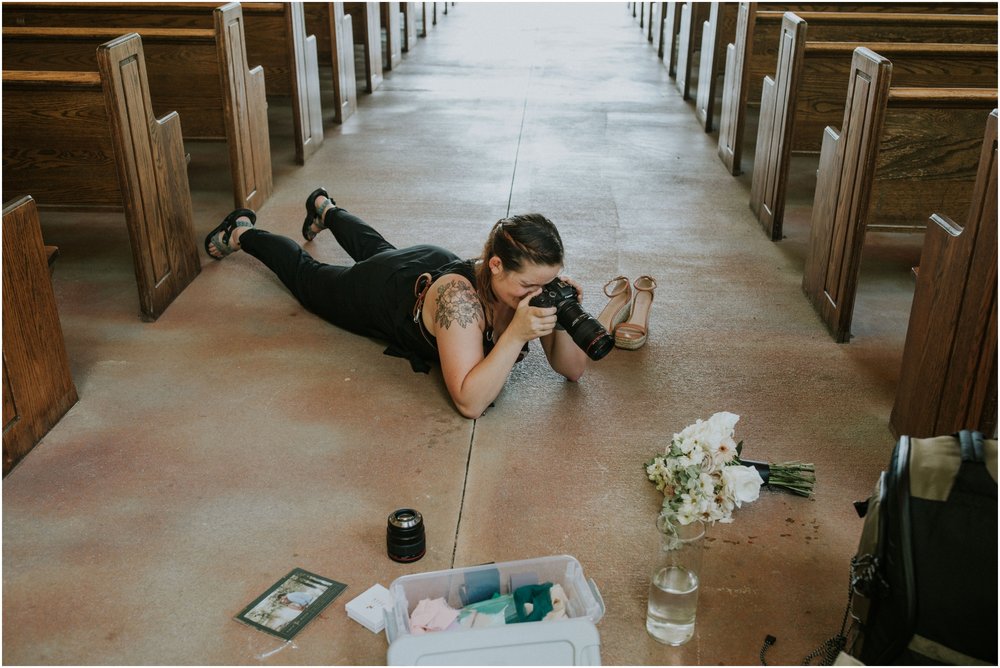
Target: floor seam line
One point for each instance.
(465, 485)
(517, 151)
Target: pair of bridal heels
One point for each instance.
(626, 316)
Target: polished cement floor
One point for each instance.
(239, 437)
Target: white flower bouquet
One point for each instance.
(702, 477)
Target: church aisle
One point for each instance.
(239, 436)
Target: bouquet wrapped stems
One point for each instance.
(796, 477)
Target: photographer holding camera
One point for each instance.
(475, 317)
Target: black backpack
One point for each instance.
(924, 579)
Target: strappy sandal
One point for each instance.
(631, 334)
(619, 291)
(314, 217)
(219, 237)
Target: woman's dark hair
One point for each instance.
(517, 240)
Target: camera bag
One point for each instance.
(924, 579)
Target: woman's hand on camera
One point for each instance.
(576, 286)
(532, 322)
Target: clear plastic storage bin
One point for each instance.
(570, 641)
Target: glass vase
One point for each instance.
(673, 591)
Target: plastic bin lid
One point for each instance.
(565, 642)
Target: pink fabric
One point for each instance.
(431, 615)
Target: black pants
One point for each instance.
(373, 297)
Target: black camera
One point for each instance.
(404, 535)
(589, 334)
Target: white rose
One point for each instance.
(744, 483)
(719, 430)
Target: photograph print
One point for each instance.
(291, 603)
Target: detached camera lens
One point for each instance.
(404, 535)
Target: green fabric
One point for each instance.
(493, 606)
(540, 598)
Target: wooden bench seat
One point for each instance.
(720, 31)
(273, 34)
(38, 388)
(200, 73)
(806, 94)
(754, 54)
(900, 153)
(948, 379)
(91, 139)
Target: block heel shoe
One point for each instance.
(632, 334)
(619, 291)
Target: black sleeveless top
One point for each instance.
(419, 346)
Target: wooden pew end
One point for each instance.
(51, 253)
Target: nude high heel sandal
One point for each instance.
(631, 335)
(619, 292)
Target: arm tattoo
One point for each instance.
(457, 302)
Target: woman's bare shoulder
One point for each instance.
(454, 301)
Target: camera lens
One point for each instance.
(586, 331)
(404, 535)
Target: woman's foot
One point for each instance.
(225, 238)
(317, 205)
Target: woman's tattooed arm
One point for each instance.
(457, 302)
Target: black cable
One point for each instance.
(768, 641)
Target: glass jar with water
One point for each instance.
(673, 592)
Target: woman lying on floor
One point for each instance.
(475, 320)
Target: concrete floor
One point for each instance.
(239, 436)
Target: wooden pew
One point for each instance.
(948, 379)
(717, 32)
(38, 388)
(334, 32)
(368, 35)
(670, 25)
(200, 73)
(275, 38)
(693, 14)
(91, 139)
(900, 153)
(389, 19)
(754, 53)
(408, 21)
(720, 31)
(655, 20)
(806, 94)
(423, 18)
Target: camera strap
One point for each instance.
(420, 289)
